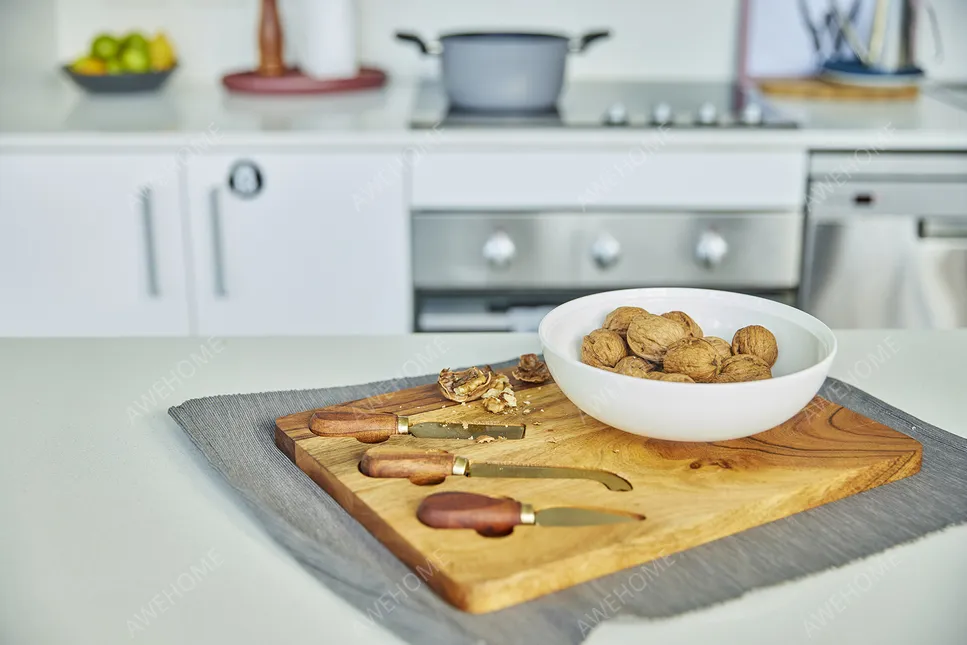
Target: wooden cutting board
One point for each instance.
(691, 493)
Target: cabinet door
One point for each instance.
(91, 245)
(300, 244)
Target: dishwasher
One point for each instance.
(886, 240)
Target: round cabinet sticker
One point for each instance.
(245, 179)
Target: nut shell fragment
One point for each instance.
(634, 366)
(743, 367)
(722, 347)
(650, 336)
(691, 327)
(603, 348)
(531, 369)
(619, 319)
(466, 385)
(758, 341)
(695, 358)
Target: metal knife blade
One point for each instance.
(565, 516)
(483, 469)
(432, 430)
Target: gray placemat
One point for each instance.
(236, 435)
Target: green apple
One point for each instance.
(105, 47)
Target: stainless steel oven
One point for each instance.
(886, 242)
(481, 271)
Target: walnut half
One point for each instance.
(468, 385)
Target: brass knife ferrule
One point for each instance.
(402, 425)
(527, 515)
(460, 465)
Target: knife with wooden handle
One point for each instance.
(496, 516)
(433, 466)
(374, 427)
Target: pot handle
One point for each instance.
(427, 49)
(584, 41)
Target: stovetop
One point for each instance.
(605, 104)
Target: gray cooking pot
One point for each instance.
(504, 72)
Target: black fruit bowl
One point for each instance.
(119, 83)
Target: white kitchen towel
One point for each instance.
(236, 435)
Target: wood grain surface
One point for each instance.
(691, 493)
(817, 88)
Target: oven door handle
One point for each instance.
(942, 228)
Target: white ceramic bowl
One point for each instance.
(690, 411)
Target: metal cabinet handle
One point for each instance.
(218, 257)
(150, 253)
(711, 249)
(942, 227)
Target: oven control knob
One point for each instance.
(661, 114)
(711, 249)
(752, 114)
(499, 250)
(617, 114)
(606, 251)
(708, 114)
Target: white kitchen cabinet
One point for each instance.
(85, 250)
(301, 244)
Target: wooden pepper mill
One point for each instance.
(270, 40)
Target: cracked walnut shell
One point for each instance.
(758, 341)
(695, 358)
(531, 369)
(468, 385)
(619, 319)
(603, 348)
(722, 347)
(743, 367)
(634, 366)
(691, 327)
(650, 336)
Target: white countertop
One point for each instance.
(50, 112)
(104, 510)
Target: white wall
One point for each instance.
(28, 37)
(690, 39)
(683, 38)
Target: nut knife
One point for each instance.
(374, 427)
(493, 516)
(433, 466)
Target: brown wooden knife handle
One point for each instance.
(419, 466)
(368, 427)
(490, 516)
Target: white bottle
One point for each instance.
(327, 38)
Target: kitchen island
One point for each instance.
(108, 507)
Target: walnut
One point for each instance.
(691, 327)
(633, 366)
(758, 341)
(672, 378)
(603, 348)
(531, 369)
(468, 385)
(619, 319)
(721, 346)
(500, 396)
(743, 367)
(693, 357)
(650, 336)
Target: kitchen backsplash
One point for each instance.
(691, 39)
